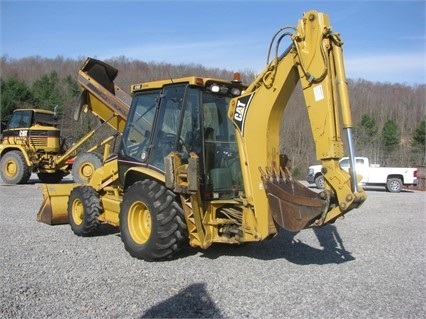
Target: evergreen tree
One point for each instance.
(72, 88)
(13, 91)
(391, 137)
(46, 92)
(418, 143)
(366, 137)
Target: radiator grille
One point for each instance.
(38, 141)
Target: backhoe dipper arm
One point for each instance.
(315, 59)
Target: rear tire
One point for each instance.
(152, 223)
(14, 168)
(394, 185)
(84, 208)
(84, 166)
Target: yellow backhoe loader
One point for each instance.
(199, 159)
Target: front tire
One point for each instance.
(319, 181)
(84, 208)
(14, 168)
(152, 224)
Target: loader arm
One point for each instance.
(315, 60)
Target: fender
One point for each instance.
(5, 149)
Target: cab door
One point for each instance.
(168, 123)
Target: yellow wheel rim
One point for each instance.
(139, 222)
(11, 168)
(77, 211)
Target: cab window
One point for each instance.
(166, 133)
(139, 127)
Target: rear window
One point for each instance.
(44, 119)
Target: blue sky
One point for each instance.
(383, 40)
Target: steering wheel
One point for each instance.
(170, 138)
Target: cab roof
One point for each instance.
(191, 80)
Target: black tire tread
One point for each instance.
(92, 209)
(166, 237)
(21, 163)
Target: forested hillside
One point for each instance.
(389, 118)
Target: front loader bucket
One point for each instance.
(54, 209)
(292, 205)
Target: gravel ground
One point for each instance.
(369, 265)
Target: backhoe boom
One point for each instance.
(314, 59)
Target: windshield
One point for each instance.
(20, 119)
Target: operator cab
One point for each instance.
(35, 128)
(26, 118)
(184, 116)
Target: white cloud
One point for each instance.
(236, 54)
(221, 54)
(246, 54)
(395, 68)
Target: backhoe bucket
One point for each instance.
(293, 206)
(54, 209)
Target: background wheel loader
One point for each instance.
(31, 141)
(200, 162)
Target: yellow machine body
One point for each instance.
(231, 186)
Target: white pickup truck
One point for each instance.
(392, 178)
